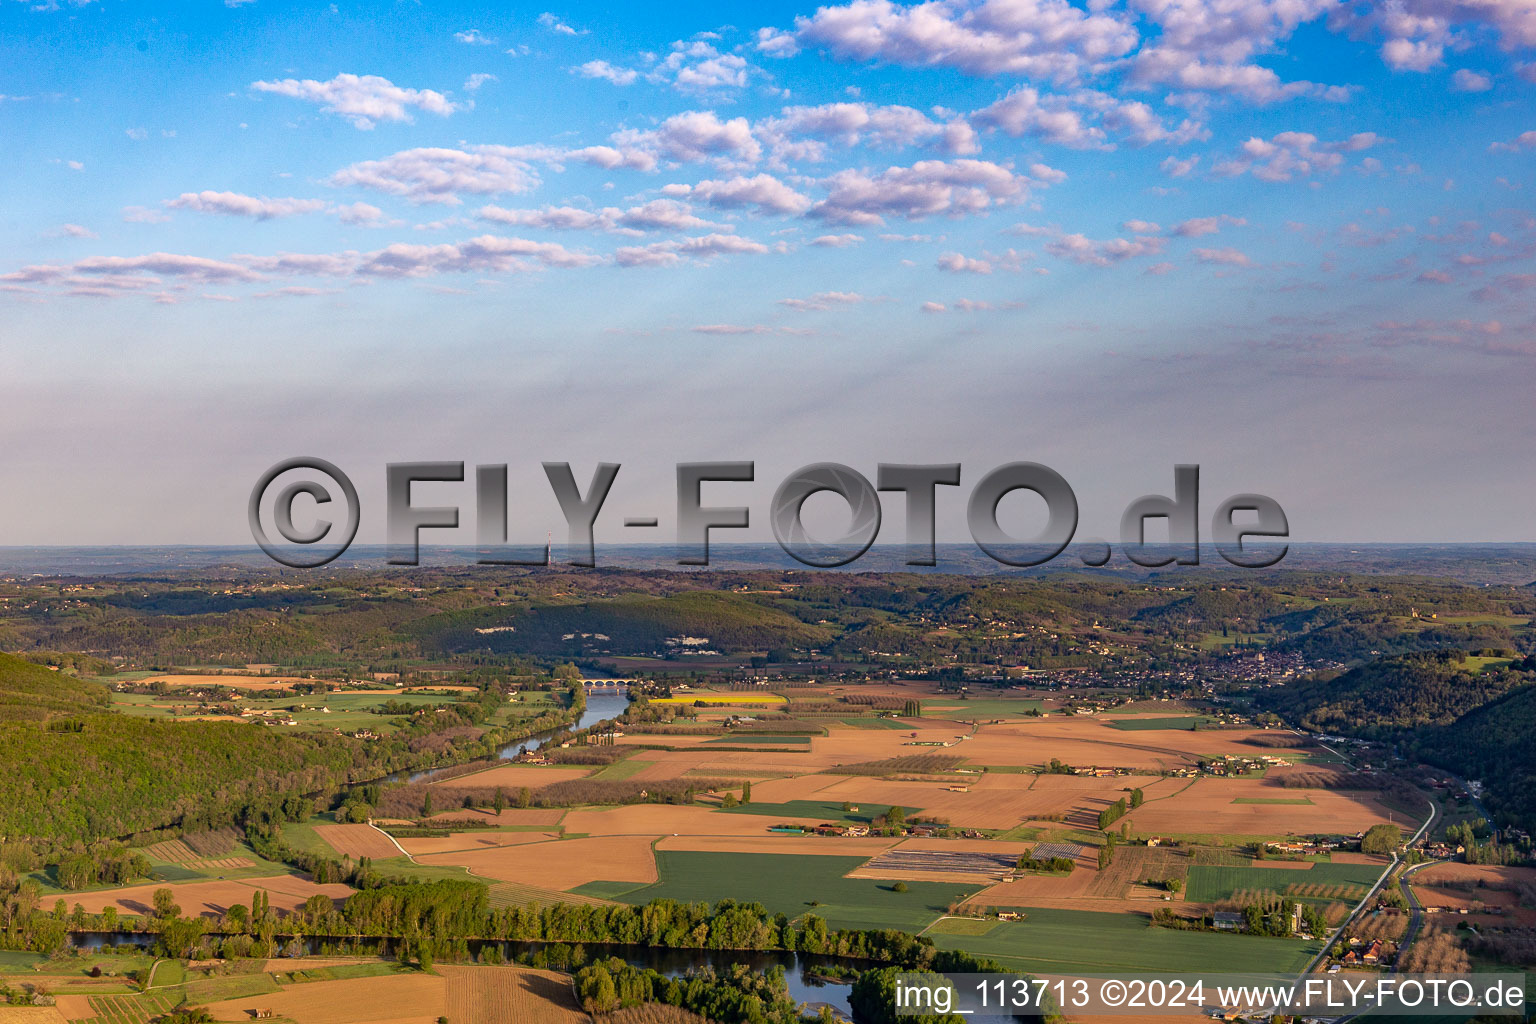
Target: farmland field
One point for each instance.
(721, 698)
(401, 997)
(358, 841)
(558, 864)
(797, 810)
(1190, 722)
(503, 994)
(1076, 940)
(212, 898)
(800, 885)
(1210, 883)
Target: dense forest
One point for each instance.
(1473, 716)
(624, 625)
(76, 772)
(1497, 744)
(32, 693)
(1383, 697)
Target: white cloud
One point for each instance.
(775, 43)
(1412, 54)
(474, 37)
(1466, 80)
(1228, 257)
(1079, 248)
(606, 71)
(957, 263)
(475, 81)
(1525, 140)
(1209, 47)
(731, 329)
(696, 67)
(1043, 39)
(235, 204)
(696, 135)
(127, 273)
(1176, 168)
(567, 218)
(1198, 227)
(359, 213)
(823, 301)
(362, 99)
(851, 124)
(702, 247)
(763, 191)
(76, 231)
(433, 175)
(1068, 119)
(559, 27)
(663, 215)
(609, 157)
(1291, 155)
(1416, 33)
(836, 241)
(656, 215)
(925, 189)
(1025, 112)
(487, 253)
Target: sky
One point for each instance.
(1289, 240)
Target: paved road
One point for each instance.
(1415, 914)
(1434, 812)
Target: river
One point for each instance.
(800, 970)
(599, 707)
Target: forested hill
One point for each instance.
(1474, 716)
(32, 693)
(76, 771)
(1385, 697)
(1497, 744)
(632, 624)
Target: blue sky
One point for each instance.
(1291, 240)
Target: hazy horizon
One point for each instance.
(1292, 242)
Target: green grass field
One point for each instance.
(235, 986)
(962, 926)
(168, 973)
(341, 972)
(402, 866)
(796, 886)
(15, 960)
(759, 740)
(1177, 722)
(792, 810)
(872, 722)
(1065, 941)
(608, 890)
(625, 769)
(966, 710)
(1214, 882)
(301, 835)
